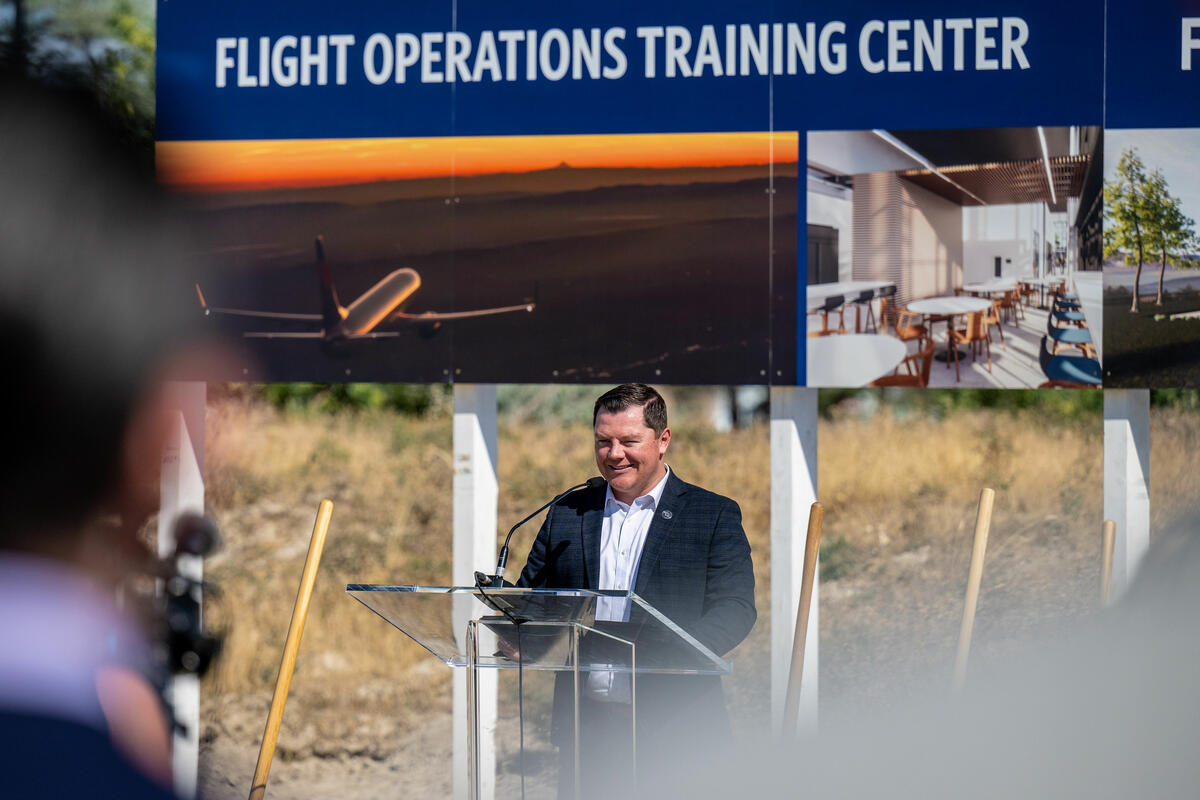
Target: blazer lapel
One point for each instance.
(660, 530)
(593, 520)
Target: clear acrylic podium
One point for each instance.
(603, 639)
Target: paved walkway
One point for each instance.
(1014, 365)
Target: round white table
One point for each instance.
(992, 286)
(948, 307)
(852, 359)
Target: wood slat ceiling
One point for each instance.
(1006, 182)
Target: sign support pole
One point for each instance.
(181, 490)
(475, 497)
(793, 491)
(1127, 479)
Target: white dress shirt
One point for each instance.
(622, 538)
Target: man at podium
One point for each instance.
(679, 547)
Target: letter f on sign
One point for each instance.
(226, 62)
(1190, 43)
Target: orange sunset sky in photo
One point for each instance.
(222, 166)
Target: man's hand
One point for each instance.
(507, 649)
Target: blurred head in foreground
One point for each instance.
(91, 314)
(92, 310)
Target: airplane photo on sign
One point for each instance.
(383, 302)
(665, 232)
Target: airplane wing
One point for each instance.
(434, 316)
(242, 312)
(318, 335)
(282, 335)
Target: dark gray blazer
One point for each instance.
(695, 569)
(695, 565)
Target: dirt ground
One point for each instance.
(378, 759)
(368, 714)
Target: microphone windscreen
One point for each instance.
(595, 483)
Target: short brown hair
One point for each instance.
(619, 398)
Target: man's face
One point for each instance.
(628, 454)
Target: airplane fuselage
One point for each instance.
(376, 304)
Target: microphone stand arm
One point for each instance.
(497, 581)
(502, 562)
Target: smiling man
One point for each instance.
(680, 548)
(631, 442)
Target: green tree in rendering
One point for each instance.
(1168, 228)
(1126, 206)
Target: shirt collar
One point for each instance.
(654, 494)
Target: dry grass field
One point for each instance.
(369, 711)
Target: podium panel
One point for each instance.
(426, 614)
(580, 648)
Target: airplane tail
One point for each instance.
(332, 312)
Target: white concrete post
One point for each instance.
(181, 490)
(793, 491)
(475, 496)
(1127, 479)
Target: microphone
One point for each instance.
(497, 581)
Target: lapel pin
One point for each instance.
(666, 514)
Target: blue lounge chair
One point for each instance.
(1069, 372)
(1071, 337)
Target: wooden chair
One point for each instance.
(1069, 372)
(1071, 336)
(905, 325)
(1075, 318)
(1065, 300)
(832, 305)
(917, 364)
(887, 291)
(975, 332)
(1011, 302)
(992, 317)
(1026, 291)
(865, 299)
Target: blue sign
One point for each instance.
(1153, 69)
(294, 71)
(286, 70)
